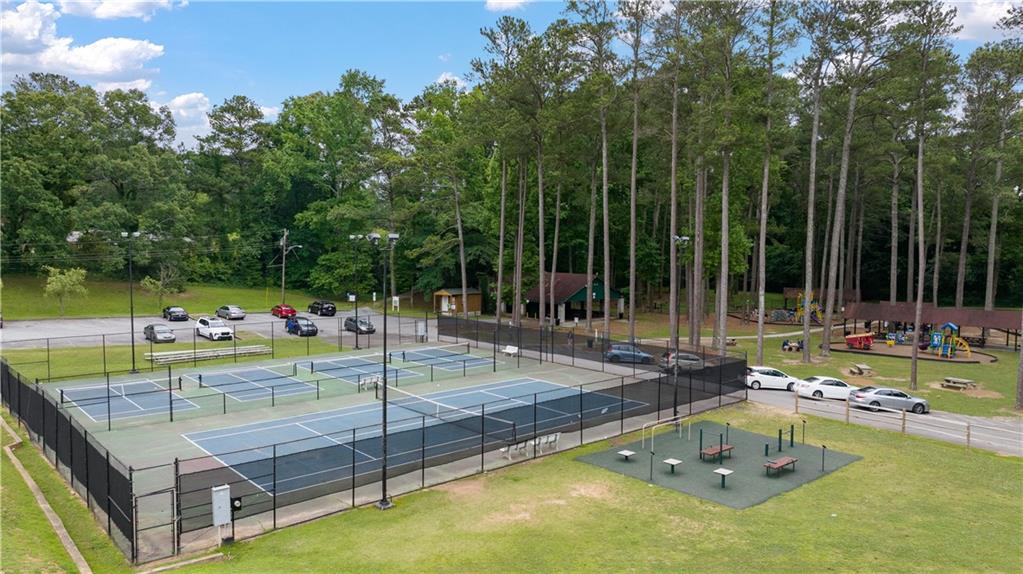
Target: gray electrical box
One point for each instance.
(221, 496)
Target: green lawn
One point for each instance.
(997, 380)
(23, 298)
(879, 514)
(29, 544)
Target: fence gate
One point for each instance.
(156, 523)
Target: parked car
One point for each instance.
(159, 333)
(301, 326)
(769, 378)
(323, 308)
(627, 353)
(175, 314)
(283, 311)
(874, 397)
(680, 362)
(213, 329)
(362, 326)
(824, 388)
(230, 312)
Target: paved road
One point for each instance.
(1002, 435)
(89, 332)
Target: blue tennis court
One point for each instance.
(126, 400)
(449, 358)
(318, 448)
(353, 369)
(255, 383)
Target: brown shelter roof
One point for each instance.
(1009, 319)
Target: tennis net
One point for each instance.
(474, 421)
(443, 354)
(243, 376)
(98, 393)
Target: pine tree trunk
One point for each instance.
(859, 256)
(939, 240)
(500, 242)
(722, 288)
(911, 250)
(893, 260)
(554, 252)
(695, 332)
(519, 245)
(992, 248)
(608, 273)
(836, 232)
(541, 246)
(827, 230)
(762, 239)
(964, 239)
(810, 213)
(589, 250)
(632, 199)
(922, 257)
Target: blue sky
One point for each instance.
(192, 55)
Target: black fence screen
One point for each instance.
(103, 482)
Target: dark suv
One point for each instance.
(322, 308)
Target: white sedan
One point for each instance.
(769, 378)
(824, 388)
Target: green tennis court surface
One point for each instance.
(747, 485)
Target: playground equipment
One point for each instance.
(862, 341)
(946, 341)
(816, 313)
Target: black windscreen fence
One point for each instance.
(103, 482)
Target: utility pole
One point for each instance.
(284, 261)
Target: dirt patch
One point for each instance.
(977, 393)
(859, 381)
(591, 490)
(463, 488)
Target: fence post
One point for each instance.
(177, 506)
(580, 415)
(104, 353)
(234, 341)
(48, 375)
(195, 347)
(273, 346)
(353, 467)
(85, 435)
(536, 425)
(846, 412)
(339, 333)
(903, 421)
(275, 485)
(223, 397)
(968, 434)
(621, 411)
(720, 367)
(107, 505)
(422, 453)
(134, 511)
(108, 403)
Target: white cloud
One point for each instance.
(140, 84)
(445, 57)
(270, 112)
(504, 5)
(111, 9)
(449, 77)
(190, 116)
(979, 18)
(29, 27)
(31, 44)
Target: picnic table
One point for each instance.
(672, 462)
(626, 453)
(861, 369)
(716, 450)
(779, 464)
(957, 383)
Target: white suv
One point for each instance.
(769, 378)
(213, 329)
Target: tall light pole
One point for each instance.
(131, 291)
(285, 249)
(681, 241)
(374, 238)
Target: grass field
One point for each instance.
(22, 298)
(560, 515)
(29, 544)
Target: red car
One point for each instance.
(283, 311)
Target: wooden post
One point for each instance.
(903, 421)
(847, 411)
(967, 436)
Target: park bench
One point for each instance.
(780, 463)
(511, 351)
(517, 448)
(958, 384)
(711, 452)
(369, 383)
(188, 355)
(862, 369)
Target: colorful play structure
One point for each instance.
(816, 313)
(946, 342)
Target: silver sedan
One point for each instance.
(888, 398)
(230, 312)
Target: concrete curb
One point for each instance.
(55, 522)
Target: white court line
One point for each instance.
(332, 439)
